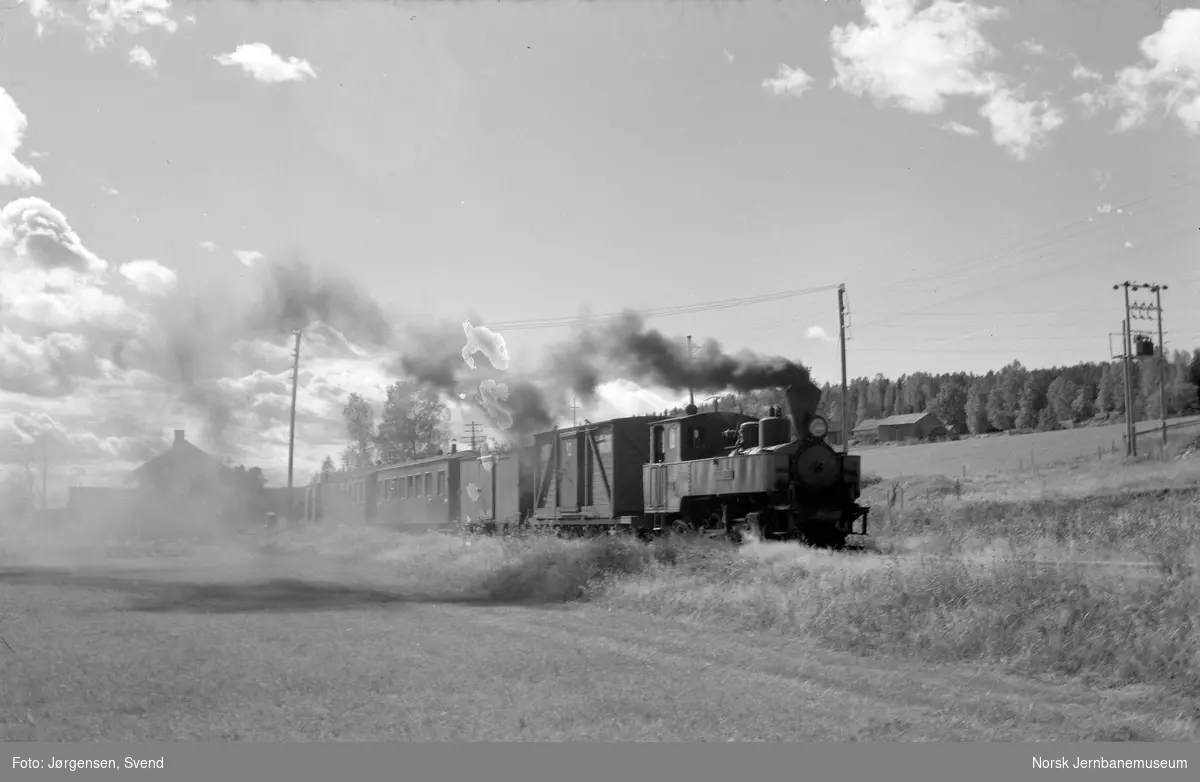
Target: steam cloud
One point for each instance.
(624, 348)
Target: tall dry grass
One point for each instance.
(1112, 625)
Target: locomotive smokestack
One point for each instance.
(803, 401)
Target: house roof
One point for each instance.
(907, 418)
(870, 423)
(181, 451)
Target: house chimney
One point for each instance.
(178, 436)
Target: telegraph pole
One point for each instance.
(691, 392)
(1156, 308)
(842, 340)
(45, 467)
(1162, 362)
(1127, 356)
(574, 407)
(292, 431)
(472, 429)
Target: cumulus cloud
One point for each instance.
(267, 67)
(1167, 80)
(957, 127)
(131, 16)
(247, 257)
(118, 354)
(109, 190)
(149, 276)
(44, 12)
(816, 332)
(12, 131)
(1083, 73)
(207, 245)
(139, 57)
(1019, 125)
(789, 81)
(920, 59)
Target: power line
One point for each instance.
(539, 323)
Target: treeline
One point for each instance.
(411, 424)
(412, 419)
(1019, 399)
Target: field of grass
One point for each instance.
(1005, 453)
(985, 613)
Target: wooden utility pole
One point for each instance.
(1127, 356)
(691, 392)
(472, 430)
(292, 430)
(45, 467)
(1156, 308)
(574, 408)
(842, 341)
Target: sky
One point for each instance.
(977, 174)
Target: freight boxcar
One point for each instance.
(591, 474)
(496, 491)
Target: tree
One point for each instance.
(975, 409)
(950, 404)
(413, 422)
(1060, 398)
(327, 469)
(1083, 406)
(1030, 404)
(360, 426)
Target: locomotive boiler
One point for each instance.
(726, 473)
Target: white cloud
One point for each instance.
(1128, 244)
(728, 55)
(189, 19)
(918, 60)
(1168, 78)
(266, 66)
(38, 155)
(139, 57)
(790, 81)
(132, 16)
(1031, 46)
(1019, 125)
(248, 257)
(108, 358)
(12, 131)
(1104, 209)
(149, 276)
(957, 127)
(207, 245)
(1082, 73)
(816, 332)
(110, 190)
(44, 12)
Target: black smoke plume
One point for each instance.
(627, 349)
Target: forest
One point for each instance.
(1013, 398)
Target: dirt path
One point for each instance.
(124, 657)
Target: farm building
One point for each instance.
(868, 429)
(918, 426)
(180, 481)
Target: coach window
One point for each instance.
(671, 438)
(697, 438)
(417, 483)
(428, 484)
(441, 483)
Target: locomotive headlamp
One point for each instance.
(818, 426)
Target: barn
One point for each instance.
(184, 479)
(867, 430)
(918, 426)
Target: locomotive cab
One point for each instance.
(696, 436)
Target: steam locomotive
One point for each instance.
(711, 473)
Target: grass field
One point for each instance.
(950, 631)
(1007, 453)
